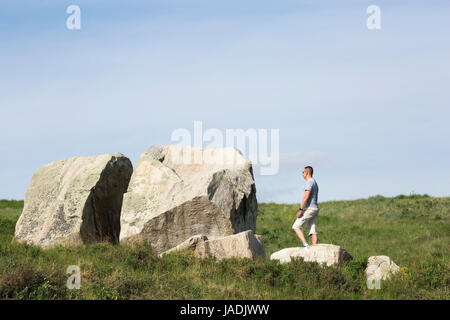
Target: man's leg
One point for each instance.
(314, 239)
(300, 234)
(313, 231)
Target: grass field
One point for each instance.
(413, 230)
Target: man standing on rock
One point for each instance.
(307, 213)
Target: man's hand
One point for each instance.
(303, 204)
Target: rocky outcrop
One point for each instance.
(75, 201)
(380, 268)
(177, 192)
(328, 254)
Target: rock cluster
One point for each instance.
(177, 197)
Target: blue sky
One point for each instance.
(368, 109)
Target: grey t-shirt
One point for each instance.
(312, 186)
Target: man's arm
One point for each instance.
(305, 200)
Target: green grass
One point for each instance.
(413, 230)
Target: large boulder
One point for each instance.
(179, 191)
(242, 245)
(75, 201)
(380, 268)
(328, 254)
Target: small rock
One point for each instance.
(328, 254)
(380, 268)
(242, 245)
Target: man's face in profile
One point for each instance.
(304, 174)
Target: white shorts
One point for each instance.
(308, 219)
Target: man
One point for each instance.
(307, 213)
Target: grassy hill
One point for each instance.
(413, 230)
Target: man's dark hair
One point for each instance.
(309, 170)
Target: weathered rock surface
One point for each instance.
(75, 201)
(242, 245)
(179, 191)
(380, 268)
(190, 244)
(328, 254)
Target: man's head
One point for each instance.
(307, 172)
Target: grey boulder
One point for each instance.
(177, 192)
(75, 201)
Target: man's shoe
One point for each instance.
(304, 245)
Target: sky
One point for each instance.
(368, 109)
